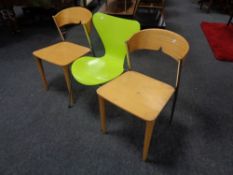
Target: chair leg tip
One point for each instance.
(46, 88)
(103, 131)
(71, 104)
(144, 159)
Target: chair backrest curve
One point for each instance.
(73, 15)
(114, 32)
(168, 42)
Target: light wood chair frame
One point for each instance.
(81, 16)
(132, 45)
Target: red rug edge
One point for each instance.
(218, 56)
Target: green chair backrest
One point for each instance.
(114, 32)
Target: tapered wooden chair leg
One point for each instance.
(147, 138)
(102, 114)
(68, 83)
(42, 73)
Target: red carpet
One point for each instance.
(220, 38)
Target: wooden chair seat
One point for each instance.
(62, 53)
(137, 94)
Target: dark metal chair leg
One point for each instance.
(173, 107)
(176, 91)
(201, 3)
(229, 21)
(209, 6)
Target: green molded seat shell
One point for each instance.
(114, 32)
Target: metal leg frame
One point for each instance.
(230, 19)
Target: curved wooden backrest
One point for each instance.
(74, 15)
(168, 42)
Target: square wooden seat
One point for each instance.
(137, 94)
(62, 53)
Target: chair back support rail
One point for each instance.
(74, 15)
(168, 42)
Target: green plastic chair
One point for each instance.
(113, 32)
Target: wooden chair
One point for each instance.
(150, 13)
(152, 4)
(119, 7)
(64, 53)
(141, 95)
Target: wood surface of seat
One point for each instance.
(62, 53)
(137, 94)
